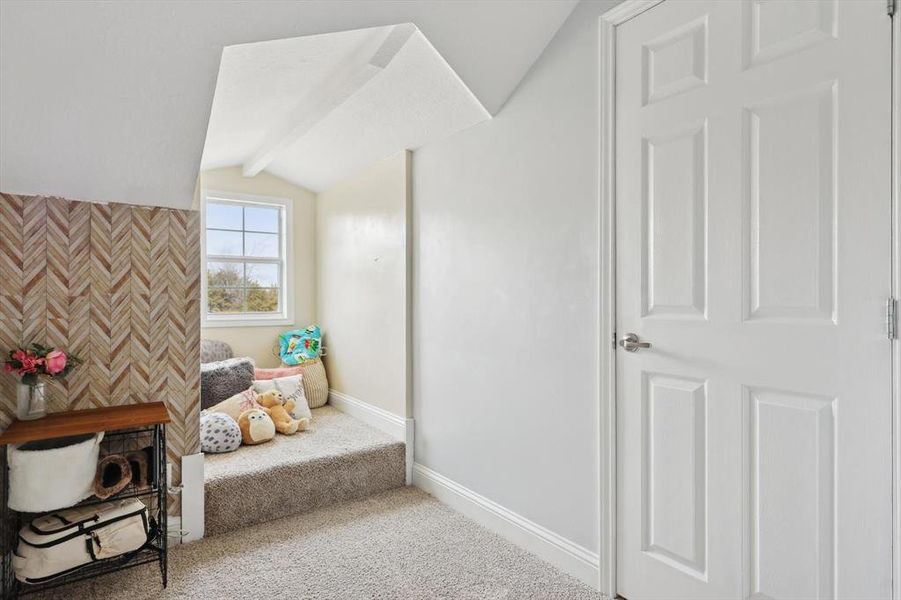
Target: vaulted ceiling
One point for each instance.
(316, 109)
(110, 101)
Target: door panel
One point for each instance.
(676, 61)
(674, 223)
(791, 155)
(674, 450)
(792, 517)
(775, 29)
(753, 253)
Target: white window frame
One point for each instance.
(286, 258)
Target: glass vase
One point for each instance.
(31, 403)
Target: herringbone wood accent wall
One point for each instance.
(117, 285)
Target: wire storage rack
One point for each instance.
(150, 490)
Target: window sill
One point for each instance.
(245, 322)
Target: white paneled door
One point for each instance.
(753, 255)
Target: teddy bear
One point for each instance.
(256, 426)
(279, 409)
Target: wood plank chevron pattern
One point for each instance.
(79, 300)
(34, 270)
(120, 303)
(12, 232)
(139, 362)
(57, 289)
(101, 314)
(119, 286)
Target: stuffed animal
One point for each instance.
(280, 411)
(291, 389)
(218, 433)
(256, 426)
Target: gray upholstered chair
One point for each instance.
(214, 351)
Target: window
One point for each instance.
(246, 241)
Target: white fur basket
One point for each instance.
(52, 474)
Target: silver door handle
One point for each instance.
(630, 343)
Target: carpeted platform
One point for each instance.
(400, 544)
(340, 459)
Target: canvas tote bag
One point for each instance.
(59, 543)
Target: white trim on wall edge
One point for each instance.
(564, 554)
(896, 292)
(607, 24)
(392, 424)
(410, 456)
(192, 498)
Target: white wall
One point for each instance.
(505, 346)
(361, 252)
(257, 342)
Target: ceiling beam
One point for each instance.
(334, 92)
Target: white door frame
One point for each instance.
(608, 23)
(896, 293)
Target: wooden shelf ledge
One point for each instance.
(91, 420)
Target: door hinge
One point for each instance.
(891, 318)
(890, 7)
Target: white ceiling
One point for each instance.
(110, 101)
(259, 84)
(313, 111)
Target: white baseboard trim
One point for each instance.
(564, 554)
(392, 424)
(192, 498)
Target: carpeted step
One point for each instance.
(341, 458)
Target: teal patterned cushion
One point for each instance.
(300, 345)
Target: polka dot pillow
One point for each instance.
(218, 433)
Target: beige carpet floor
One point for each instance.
(339, 459)
(400, 544)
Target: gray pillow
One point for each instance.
(221, 380)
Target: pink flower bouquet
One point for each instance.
(36, 360)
